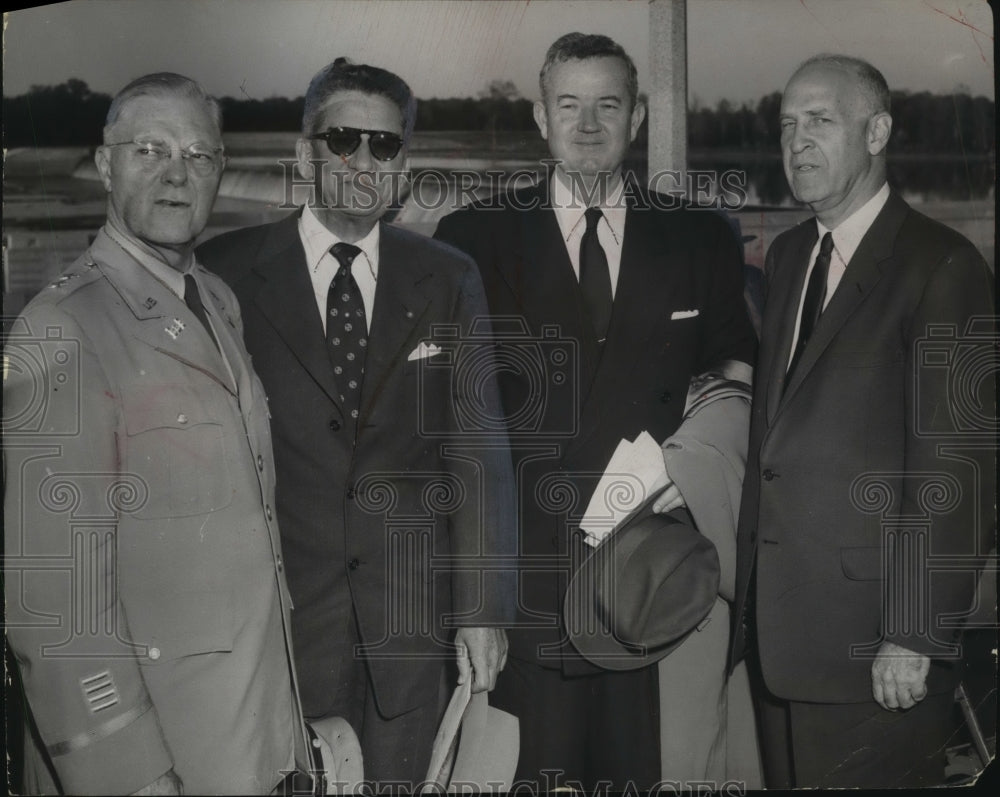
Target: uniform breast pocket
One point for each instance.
(177, 449)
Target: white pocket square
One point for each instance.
(677, 314)
(424, 350)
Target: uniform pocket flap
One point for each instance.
(188, 624)
(164, 407)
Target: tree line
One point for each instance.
(70, 114)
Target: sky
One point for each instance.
(737, 49)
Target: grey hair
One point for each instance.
(582, 46)
(159, 84)
(871, 82)
(344, 75)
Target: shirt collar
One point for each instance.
(317, 240)
(570, 211)
(848, 234)
(170, 277)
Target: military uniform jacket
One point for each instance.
(146, 601)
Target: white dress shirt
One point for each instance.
(846, 238)
(610, 229)
(323, 266)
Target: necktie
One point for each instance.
(192, 298)
(812, 305)
(346, 331)
(595, 278)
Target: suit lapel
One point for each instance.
(287, 300)
(402, 299)
(634, 318)
(861, 276)
(782, 322)
(540, 275)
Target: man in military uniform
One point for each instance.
(146, 599)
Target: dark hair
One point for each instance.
(159, 84)
(344, 75)
(871, 82)
(581, 46)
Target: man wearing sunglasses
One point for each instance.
(146, 595)
(390, 498)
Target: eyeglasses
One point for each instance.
(150, 155)
(343, 141)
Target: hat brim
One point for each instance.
(680, 559)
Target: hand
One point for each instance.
(167, 783)
(669, 500)
(899, 677)
(482, 653)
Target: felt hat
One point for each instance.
(476, 746)
(642, 590)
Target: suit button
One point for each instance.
(665, 397)
(768, 474)
(267, 511)
(154, 653)
(334, 425)
(351, 492)
(260, 463)
(354, 564)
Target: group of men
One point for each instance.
(250, 487)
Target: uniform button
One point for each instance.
(768, 474)
(267, 511)
(154, 653)
(351, 492)
(334, 425)
(260, 463)
(354, 564)
(665, 397)
(182, 418)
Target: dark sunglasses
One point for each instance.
(384, 146)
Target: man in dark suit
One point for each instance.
(867, 504)
(625, 302)
(391, 495)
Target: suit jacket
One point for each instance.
(870, 475)
(678, 309)
(146, 602)
(403, 525)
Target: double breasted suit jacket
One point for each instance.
(146, 602)
(400, 525)
(678, 309)
(867, 502)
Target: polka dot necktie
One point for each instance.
(346, 331)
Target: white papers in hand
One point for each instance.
(634, 473)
